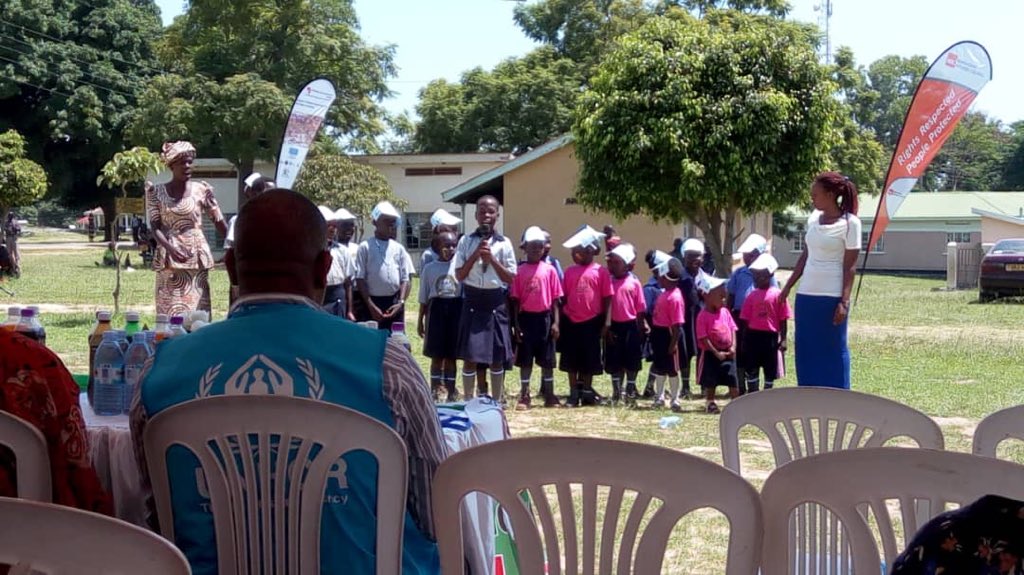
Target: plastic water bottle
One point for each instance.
(30, 327)
(177, 328)
(669, 421)
(160, 330)
(134, 359)
(131, 324)
(13, 318)
(101, 326)
(122, 339)
(398, 334)
(108, 376)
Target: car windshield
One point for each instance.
(1008, 247)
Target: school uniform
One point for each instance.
(385, 266)
(585, 288)
(688, 338)
(739, 286)
(535, 289)
(669, 311)
(342, 270)
(764, 311)
(484, 334)
(441, 293)
(720, 328)
(625, 350)
(557, 265)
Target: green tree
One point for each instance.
(704, 119)
(128, 167)
(883, 101)
(778, 8)
(1013, 170)
(856, 153)
(22, 181)
(519, 105)
(975, 155)
(332, 179)
(70, 74)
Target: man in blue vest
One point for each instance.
(277, 341)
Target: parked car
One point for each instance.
(1002, 270)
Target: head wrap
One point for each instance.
(174, 151)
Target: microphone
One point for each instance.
(485, 232)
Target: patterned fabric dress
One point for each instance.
(36, 387)
(183, 287)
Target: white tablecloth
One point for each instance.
(113, 457)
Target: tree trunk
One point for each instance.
(245, 167)
(723, 259)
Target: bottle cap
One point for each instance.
(161, 318)
(103, 316)
(177, 320)
(14, 310)
(398, 326)
(131, 316)
(28, 312)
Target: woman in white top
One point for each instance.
(827, 267)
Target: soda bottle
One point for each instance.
(177, 328)
(13, 318)
(398, 334)
(131, 324)
(108, 376)
(30, 327)
(160, 330)
(134, 359)
(101, 326)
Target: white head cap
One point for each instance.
(584, 237)
(753, 243)
(534, 234)
(659, 259)
(384, 209)
(693, 245)
(765, 262)
(343, 215)
(706, 283)
(441, 217)
(252, 179)
(326, 212)
(624, 251)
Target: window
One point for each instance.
(439, 171)
(879, 246)
(958, 237)
(417, 231)
(798, 238)
(571, 201)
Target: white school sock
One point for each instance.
(673, 384)
(469, 384)
(659, 388)
(498, 385)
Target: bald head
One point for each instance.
(280, 240)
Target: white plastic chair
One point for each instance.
(251, 428)
(803, 421)
(56, 540)
(998, 427)
(31, 457)
(682, 483)
(853, 482)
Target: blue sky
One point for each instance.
(442, 38)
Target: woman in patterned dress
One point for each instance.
(183, 258)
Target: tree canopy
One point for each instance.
(70, 75)
(701, 119)
(22, 181)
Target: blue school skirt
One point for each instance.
(822, 357)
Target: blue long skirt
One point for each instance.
(822, 357)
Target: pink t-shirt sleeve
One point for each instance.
(704, 320)
(556, 286)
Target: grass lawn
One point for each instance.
(940, 352)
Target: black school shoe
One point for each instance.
(589, 397)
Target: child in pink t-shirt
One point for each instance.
(534, 294)
(765, 313)
(588, 296)
(666, 326)
(625, 326)
(716, 340)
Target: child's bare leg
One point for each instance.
(498, 382)
(448, 371)
(468, 380)
(481, 379)
(436, 377)
(617, 385)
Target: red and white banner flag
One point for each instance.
(945, 93)
(308, 112)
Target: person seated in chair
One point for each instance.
(35, 386)
(277, 340)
